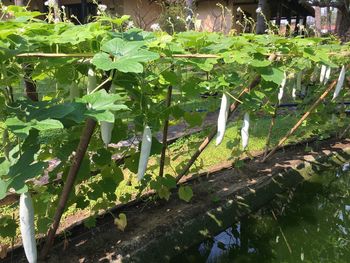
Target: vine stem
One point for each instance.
(302, 119)
(165, 134)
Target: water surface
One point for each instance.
(309, 224)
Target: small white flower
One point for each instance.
(239, 9)
(155, 27)
(259, 10)
(63, 7)
(130, 25)
(50, 3)
(102, 8)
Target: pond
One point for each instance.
(309, 224)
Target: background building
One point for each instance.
(212, 15)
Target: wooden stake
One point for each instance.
(303, 118)
(165, 134)
(67, 188)
(72, 174)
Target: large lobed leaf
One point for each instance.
(124, 56)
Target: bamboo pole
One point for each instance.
(55, 55)
(302, 119)
(165, 134)
(69, 183)
(91, 55)
(196, 55)
(67, 188)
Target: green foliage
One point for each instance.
(121, 222)
(185, 193)
(8, 226)
(126, 56)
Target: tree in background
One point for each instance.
(173, 17)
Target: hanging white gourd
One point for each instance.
(281, 90)
(245, 131)
(107, 127)
(340, 83)
(323, 73)
(145, 152)
(106, 132)
(92, 82)
(294, 91)
(327, 76)
(26, 216)
(222, 119)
